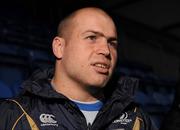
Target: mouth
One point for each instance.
(102, 68)
(101, 65)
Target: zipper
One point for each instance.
(89, 126)
(71, 106)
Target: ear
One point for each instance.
(58, 47)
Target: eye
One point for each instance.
(92, 37)
(113, 43)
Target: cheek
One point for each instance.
(114, 57)
(78, 57)
(69, 57)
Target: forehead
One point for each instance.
(94, 20)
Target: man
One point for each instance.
(71, 97)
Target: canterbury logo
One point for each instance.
(47, 120)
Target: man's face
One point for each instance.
(90, 52)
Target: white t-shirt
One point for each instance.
(89, 109)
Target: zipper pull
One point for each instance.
(89, 126)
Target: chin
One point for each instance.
(98, 82)
(100, 85)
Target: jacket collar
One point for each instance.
(39, 84)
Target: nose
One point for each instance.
(104, 49)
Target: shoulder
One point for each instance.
(141, 116)
(9, 112)
(7, 105)
(144, 117)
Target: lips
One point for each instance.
(101, 67)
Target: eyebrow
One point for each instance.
(101, 34)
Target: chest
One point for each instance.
(66, 117)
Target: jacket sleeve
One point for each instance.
(148, 123)
(9, 113)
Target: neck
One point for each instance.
(77, 92)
